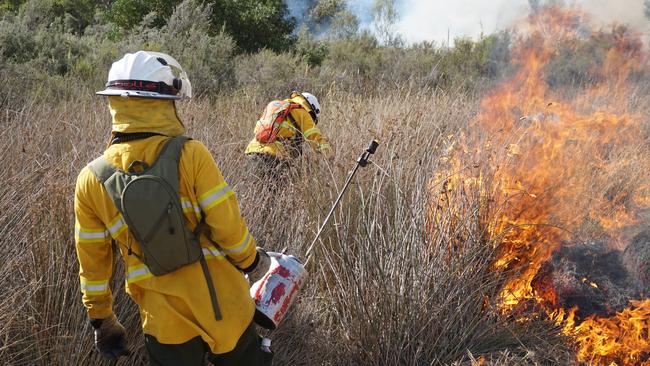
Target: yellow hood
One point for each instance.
(302, 101)
(145, 115)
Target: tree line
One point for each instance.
(258, 47)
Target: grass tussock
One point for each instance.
(387, 285)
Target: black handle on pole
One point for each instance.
(373, 146)
(362, 161)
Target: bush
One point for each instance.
(466, 63)
(352, 63)
(17, 44)
(127, 14)
(312, 50)
(206, 58)
(47, 39)
(413, 67)
(272, 75)
(48, 42)
(255, 24)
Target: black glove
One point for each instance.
(260, 268)
(110, 337)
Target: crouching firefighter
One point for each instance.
(161, 198)
(280, 132)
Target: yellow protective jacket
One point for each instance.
(304, 125)
(175, 307)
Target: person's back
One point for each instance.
(177, 309)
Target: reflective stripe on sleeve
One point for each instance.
(94, 287)
(241, 246)
(83, 235)
(116, 226)
(212, 252)
(215, 196)
(190, 206)
(138, 273)
(311, 131)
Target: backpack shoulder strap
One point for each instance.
(173, 148)
(292, 120)
(291, 107)
(113, 182)
(109, 177)
(102, 169)
(166, 164)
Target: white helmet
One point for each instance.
(149, 75)
(312, 100)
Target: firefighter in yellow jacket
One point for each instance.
(276, 143)
(177, 314)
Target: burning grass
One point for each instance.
(567, 166)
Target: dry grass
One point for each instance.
(386, 286)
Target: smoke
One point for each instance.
(299, 9)
(441, 21)
(630, 12)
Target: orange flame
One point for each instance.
(569, 163)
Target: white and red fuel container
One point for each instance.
(276, 291)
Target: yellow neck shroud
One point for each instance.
(132, 115)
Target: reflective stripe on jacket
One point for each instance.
(175, 307)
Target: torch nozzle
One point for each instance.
(373, 146)
(363, 159)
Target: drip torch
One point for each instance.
(275, 292)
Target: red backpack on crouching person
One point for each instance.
(273, 116)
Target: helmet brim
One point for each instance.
(137, 93)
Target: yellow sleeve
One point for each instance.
(219, 205)
(94, 250)
(309, 130)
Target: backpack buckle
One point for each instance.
(138, 166)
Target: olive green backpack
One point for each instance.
(148, 199)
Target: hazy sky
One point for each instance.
(431, 20)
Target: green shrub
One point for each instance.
(466, 63)
(17, 44)
(255, 24)
(311, 49)
(128, 14)
(45, 35)
(206, 58)
(83, 70)
(575, 64)
(270, 74)
(414, 66)
(78, 14)
(58, 50)
(498, 63)
(351, 63)
(7, 6)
